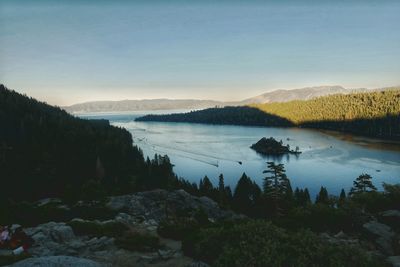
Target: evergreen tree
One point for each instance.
(301, 197)
(221, 183)
(307, 198)
(342, 198)
(362, 184)
(245, 196)
(322, 197)
(205, 187)
(222, 193)
(277, 188)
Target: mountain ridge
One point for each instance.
(279, 95)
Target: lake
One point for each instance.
(329, 159)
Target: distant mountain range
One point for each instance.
(166, 104)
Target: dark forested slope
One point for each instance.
(44, 151)
(226, 115)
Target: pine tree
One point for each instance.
(205, 187)
(246, 194)
(277, 188)
(322, 197)
(362, 184)
(222, 193)
(342, 198)
(307, 198)
(221, 184)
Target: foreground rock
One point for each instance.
(160, 204)
(394, 261)
(57, 261)
(56, 244)
(382, 234)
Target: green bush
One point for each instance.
(321, 218)
(178, 229)
(10, 259)
(260, 243)
(138, 242)
(94, 229)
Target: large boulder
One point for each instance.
(52, 239)
(394, 261)
(160, 204)
(382, 234)
(391, 217)
(57, 261)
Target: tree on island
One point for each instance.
(362, 184)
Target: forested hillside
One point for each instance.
(374, 114)
(226, 115)
(44, 152)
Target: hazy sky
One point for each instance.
(65, 52)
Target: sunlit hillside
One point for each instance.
(337, 107)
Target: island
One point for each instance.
(270, 146)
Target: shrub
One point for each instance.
(10, 259)
(260, 243)
(178, 229)
(95, 229)
(138, 242)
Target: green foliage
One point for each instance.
(302, 197)
(392, 194)
(96, 229)
(362, 184)
(226, 115)
(179, 228)
(135, 241)
(6, 260)
(259, 243)
(270, 146)
(323, 197)
(322, 218)
(93, 190)
(46, 152)
(247, 196)
(374, 114)
(277, 189)
(30, 214)
(342, 198)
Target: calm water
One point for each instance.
(329, 159)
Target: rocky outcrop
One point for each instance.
(382, 235)
(56, 244)
(391, 218)
(394, 261)
(54, 239)
(57, 261)
(160, 204)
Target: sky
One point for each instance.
(66, 52)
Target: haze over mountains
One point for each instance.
(166, 104)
